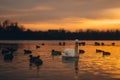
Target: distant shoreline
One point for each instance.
(13, 31)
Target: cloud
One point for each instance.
(32, 9)
(113, 13)
(54, 10)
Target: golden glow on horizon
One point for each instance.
(113, 13)
(74, 24)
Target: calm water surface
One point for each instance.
(91, 65)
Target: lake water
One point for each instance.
(91, 65)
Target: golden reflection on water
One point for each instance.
(90, 64)
(97, 64)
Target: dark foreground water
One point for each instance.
(91, 65)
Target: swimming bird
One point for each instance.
(27, 51)
(102, 44)
(97, 44)
(8, 57)
(64, 43)
(113, 44)
(38, 61)
(98, 51)
(82, 44)
(12, 50)
(81, 51)
(35, 60)
(8, 50)
(5, 51)
(70, 54)
(60, 43)
(43, 44)
(55, 53)
(106, 53)
(37, 46)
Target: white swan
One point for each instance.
(71, 53)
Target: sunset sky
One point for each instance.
(62, 14)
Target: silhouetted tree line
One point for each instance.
(12, 31)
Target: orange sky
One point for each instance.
(110, 19)
(62, 14)
(73, 25)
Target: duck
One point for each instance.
(8, 57)
(35, 60)
(55, 53)
(64, 43)
(102, 44)
(43, 44)
(106, 53)
(60, 43)
(82, 44)
(99, 51)
(5, 51)
(81, 51)
(38, 61)
(113, 44)
(27, 51)
(97, 44)
(12, 50)
(37, 46)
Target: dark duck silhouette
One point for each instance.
(5, 51)
(99, 51)
(106, 54)
(55, 53)
(27, 51)
(43, 44)
(113, 44)
(97, 44)
(8, 57)
(81, 51)
(12, 50)
(37, 46)
(35, 60)
(82, 44)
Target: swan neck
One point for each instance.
(76, 48)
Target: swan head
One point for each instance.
(76, 40)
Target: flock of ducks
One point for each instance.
(102, 44)
(36, 60)
(70, 54)
(104, 53)
(8, 55)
